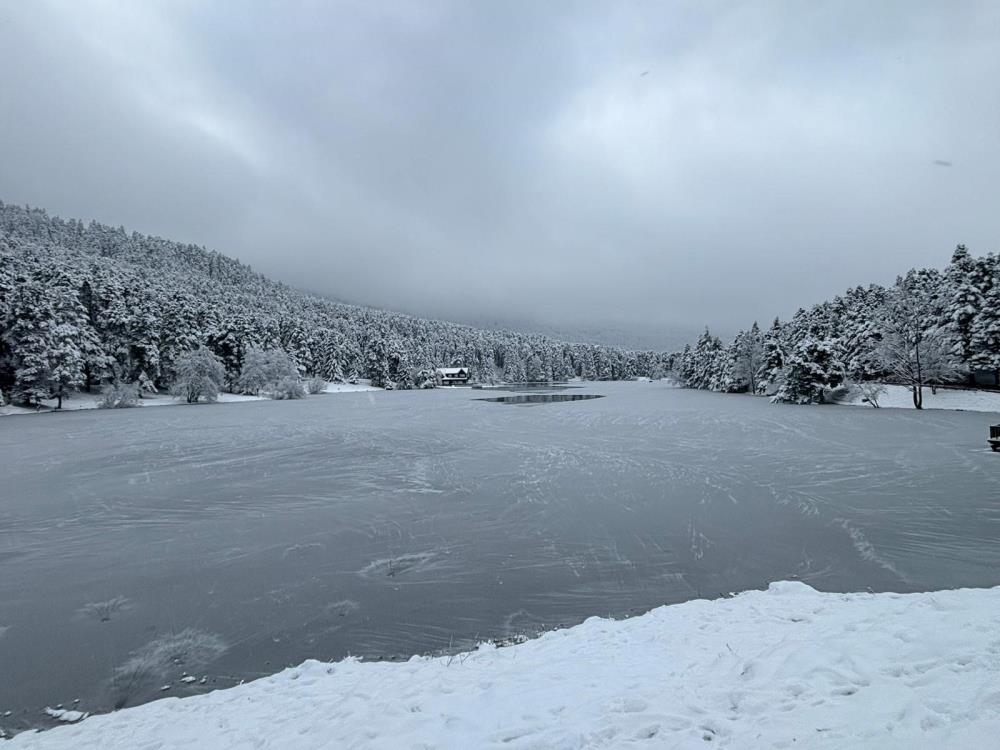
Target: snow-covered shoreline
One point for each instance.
(786, 667)
(955, 399)
(82, 401)
(893, 397)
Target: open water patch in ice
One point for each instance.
(530, 399)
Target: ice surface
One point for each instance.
(383, 524)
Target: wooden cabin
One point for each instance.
(995, 437)
(453, 375)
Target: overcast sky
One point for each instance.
(644, 163)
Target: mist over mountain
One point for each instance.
(638, 337)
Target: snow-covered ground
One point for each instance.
(361, 385)
(78, 401)
(788, 667)
(900, 397)
(90, 400)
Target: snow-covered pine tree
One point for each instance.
(534, 370)
(585, 367)
(966, 279)
(378, 360)
(65, 361)
(707, 363)
(984, 336)
(810, 372)
(514, 370)
(772, 367)
(327, 355)
(31, 331)
(400, 369)
(744, 359)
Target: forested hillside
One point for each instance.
(82, 305)
(86, 305)
(931, 327)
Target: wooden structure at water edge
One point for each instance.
(995, 437)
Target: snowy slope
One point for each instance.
(899, 397)
(787, 667)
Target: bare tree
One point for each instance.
(914, 352)
(917, 360)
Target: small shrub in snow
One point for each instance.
(145, 384)
(119, 396)
(287, 388)
(315, 385)
(425, 378)
(871, 392)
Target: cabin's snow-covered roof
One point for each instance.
(453, 371)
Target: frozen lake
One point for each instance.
(230, 541)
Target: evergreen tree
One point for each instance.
(744, 360)
(965, 280)
(707, 367)
(400, 370)
(984, 334)
(534, 370)
(65, 362)
(812, 370)
(378, 361)
(32, 336)
(772, 366)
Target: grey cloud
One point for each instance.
(639, 164)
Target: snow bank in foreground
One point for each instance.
(787, 667)
(899, 397)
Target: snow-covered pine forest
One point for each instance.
(930, 328)
(86, 305)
